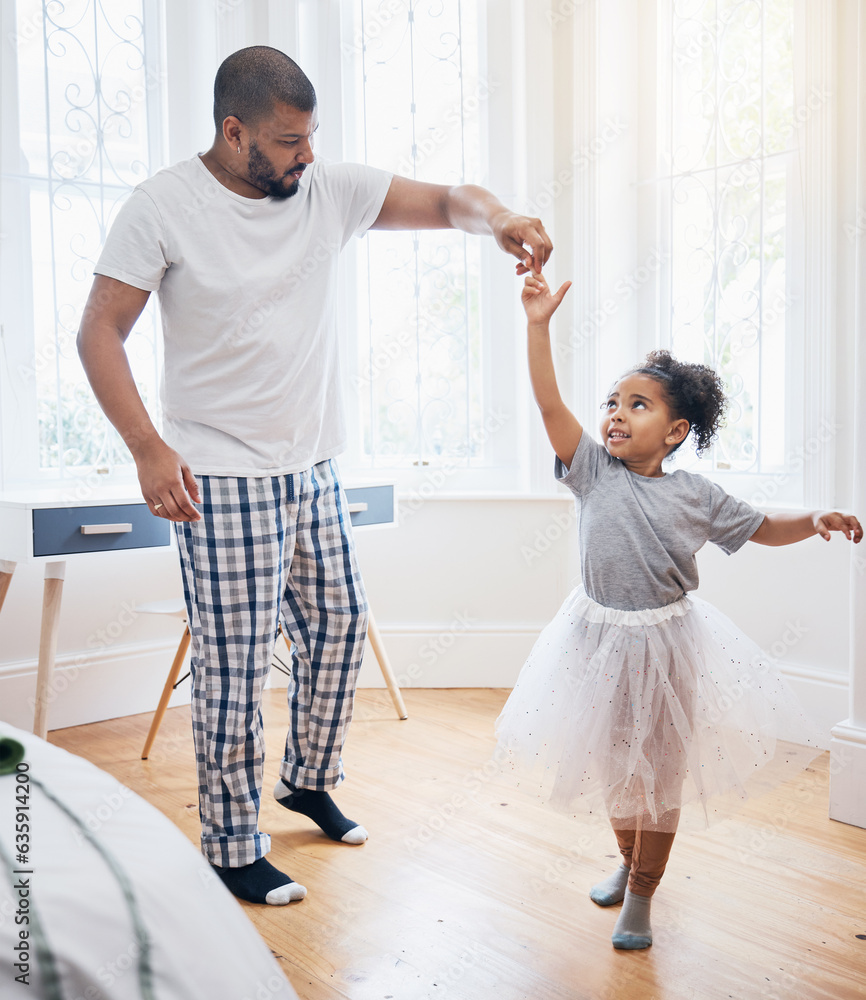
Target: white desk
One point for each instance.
(48, 525)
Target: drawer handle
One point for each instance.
(357, 508)
(106, 529)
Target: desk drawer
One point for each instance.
(57, 530)
(378, 502)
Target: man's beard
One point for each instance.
(263, 176)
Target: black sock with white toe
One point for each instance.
(322, 810)
(260, 882)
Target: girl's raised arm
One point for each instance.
(563, 428)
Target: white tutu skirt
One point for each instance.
(642, 713)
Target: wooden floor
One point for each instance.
(469, 890)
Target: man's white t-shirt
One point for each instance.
(247, 291)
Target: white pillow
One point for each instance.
(202, 943)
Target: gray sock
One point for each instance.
(633, 929)
(612, 889)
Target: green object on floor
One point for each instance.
(11, 755)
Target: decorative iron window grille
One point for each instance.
(729, 202)
(85, 98)
(420, 101)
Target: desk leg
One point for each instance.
(375, 638)
(6, 570)
(54, 574)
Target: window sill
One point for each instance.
(484, 497)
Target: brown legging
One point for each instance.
(646, 853)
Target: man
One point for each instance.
(242, 243)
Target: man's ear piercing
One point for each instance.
(239, 148)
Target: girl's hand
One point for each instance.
(537, 299)
(834, 521)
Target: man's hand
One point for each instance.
(538, 301)
(515, 233)
(167, 484)
(828, 521)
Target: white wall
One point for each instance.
(458, 588)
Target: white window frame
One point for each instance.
(19, 439)
(632, 225)
(505, 469)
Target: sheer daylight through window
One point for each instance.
(81, 134)
(731, 200)
(419, 110)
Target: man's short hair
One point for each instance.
(251, 81)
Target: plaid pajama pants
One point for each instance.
(267, 548)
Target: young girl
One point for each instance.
(636, 697)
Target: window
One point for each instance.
(741, 109)
(417, 101)
(715, 233)
(409, 87)
(81, 94)
(729, 144)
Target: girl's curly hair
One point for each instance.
(693, 392)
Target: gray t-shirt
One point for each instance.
(638, 536)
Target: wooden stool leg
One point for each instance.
(166, 692)
(285, 635)
(6, 570)
(52, 593)
(375, 638)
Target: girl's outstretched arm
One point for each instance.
(563, 428)
(784, 529)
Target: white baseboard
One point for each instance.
(848, 774)
(92, 686)
(121, 681)
(824, 695)
(455, 654)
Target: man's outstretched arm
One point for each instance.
(109, 316)
(416, 205)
